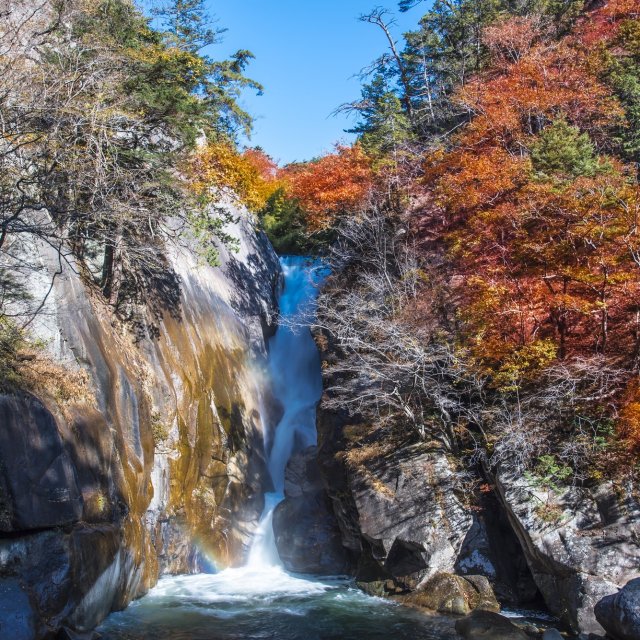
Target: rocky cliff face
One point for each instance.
(136, 458)
(581, 544)
(410, 511)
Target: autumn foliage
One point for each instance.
(251, 176)
(522, 185)
(336, 183)
(541, 217)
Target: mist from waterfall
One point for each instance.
(294, 367)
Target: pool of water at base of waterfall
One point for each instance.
(239, 604)
(269, 604)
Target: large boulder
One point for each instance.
(401, 512)
(56, 577)
(580, 543)
(38, 485)
(619, 613)
(306, 531)
(448, 593)
(487, 625)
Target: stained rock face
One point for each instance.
(306, 530)
(106, 482)
(619, 613)
(581, 544)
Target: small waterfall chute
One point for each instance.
(294, 367)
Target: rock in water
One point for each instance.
(448, 593)
(619, 613)
(306, 531)
(552, 634)
(481, 625)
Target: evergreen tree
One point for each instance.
(388, 128)
(622, 73)
(187, 24)
(444, 53)
(562, 151)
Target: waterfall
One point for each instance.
(294, 367)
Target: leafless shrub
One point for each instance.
(567, 413)
(390, 368)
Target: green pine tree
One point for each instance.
(561, 151)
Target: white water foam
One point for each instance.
(241, 585)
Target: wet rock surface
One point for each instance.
(105, 485)
(481, 625)
(306, 530)
(619, 613)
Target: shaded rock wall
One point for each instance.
(306, 531)
(581, 544)
(153, 462)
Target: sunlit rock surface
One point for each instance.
(581, 544)
(155, 463)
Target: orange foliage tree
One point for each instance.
(251, 176)
(547, 247)
(333, 184)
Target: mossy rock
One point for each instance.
(448, 593)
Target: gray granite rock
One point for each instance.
(581, 544)
(306, 531)
(481, 625)
(619, 613)
(106, 483)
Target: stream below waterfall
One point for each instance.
(261, 600)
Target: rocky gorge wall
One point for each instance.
(135, 458)
(415, 522)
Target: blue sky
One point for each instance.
(307, 53)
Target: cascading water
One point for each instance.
(294, 366)
(262, 600)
